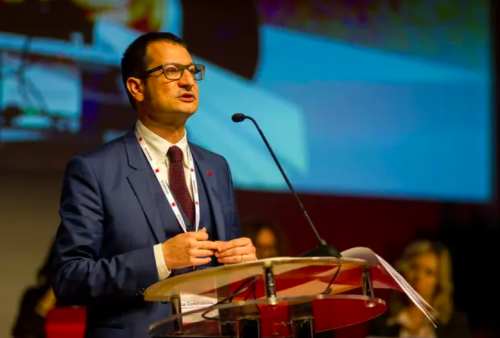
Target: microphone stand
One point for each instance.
(323, 249)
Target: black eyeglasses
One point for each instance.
(175, 71)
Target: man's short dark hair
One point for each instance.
(135, 61)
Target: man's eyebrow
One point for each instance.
(177, 64)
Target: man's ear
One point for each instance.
(135, 87)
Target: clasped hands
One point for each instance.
(194, 248)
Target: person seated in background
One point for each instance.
(427, 268)
(267, 235)
(36, 301)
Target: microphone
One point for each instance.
(238, 117)
(323, 249)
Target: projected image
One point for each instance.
(54, 106)
(387, 98)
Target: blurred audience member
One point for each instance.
(267, 237)
(267, 243)
(36, 301)
(427, 267)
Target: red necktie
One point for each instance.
(178, 186)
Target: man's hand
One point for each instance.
(236, 251)
(188, 249)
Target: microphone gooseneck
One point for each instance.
(323, 249)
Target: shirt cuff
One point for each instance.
(163, 271)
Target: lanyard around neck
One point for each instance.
(164, 183)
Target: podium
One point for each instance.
(277, 297)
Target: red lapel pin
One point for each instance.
(209, 173)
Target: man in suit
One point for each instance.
(147, 205)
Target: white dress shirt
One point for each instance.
(158, 148)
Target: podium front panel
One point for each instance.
(327, 313)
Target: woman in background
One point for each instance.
(427, 268)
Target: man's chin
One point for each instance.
(175, 117)
(187, 108)
(183, 114)
(188, 113)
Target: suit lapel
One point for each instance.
(146, 188)
(210, 183)
(143, 183)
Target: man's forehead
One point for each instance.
(161, 52)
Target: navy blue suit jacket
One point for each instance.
(113, 211)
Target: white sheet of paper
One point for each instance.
(191, 302)
(377, 261)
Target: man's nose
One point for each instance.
(187, 79)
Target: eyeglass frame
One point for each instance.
(182, 69)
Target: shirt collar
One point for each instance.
(159, 146)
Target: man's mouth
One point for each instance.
(187, 97)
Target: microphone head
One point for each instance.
(238, 117)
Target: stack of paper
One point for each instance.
(399, 282)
